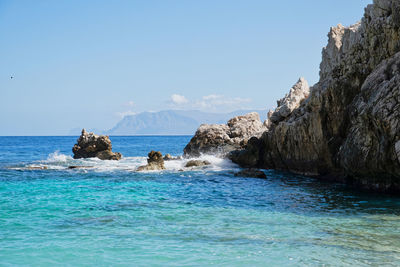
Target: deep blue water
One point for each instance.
(112, 215)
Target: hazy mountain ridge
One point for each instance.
(172, 122)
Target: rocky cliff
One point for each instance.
(348, 128)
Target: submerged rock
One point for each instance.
(80, 167)
(169, 157)
(90, 145)
(348, 129)
(223, 138)
(197, 163)
(251, 173)
(32, 168)
(155, 162)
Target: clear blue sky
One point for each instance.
(87, 63)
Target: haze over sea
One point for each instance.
(111, 215)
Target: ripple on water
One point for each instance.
(111, 215)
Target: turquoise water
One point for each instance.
(111, 215)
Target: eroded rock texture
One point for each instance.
(348, 127)
(90, 145)
(197, 163)
(223, 138)
(291, 101)
(155, 162)
(371, 147)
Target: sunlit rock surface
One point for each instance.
(347, 129)
(90, 145)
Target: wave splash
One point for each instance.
(59, 161)
(57, 157)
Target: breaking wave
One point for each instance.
(56, 157)
(59, 161)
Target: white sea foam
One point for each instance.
(59, 161)
(217, 164)
(57, 157)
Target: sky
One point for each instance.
(88, 63)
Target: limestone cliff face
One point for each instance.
(291, 101)
(371, 148)
(348, 127)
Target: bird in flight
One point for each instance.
(12, 77)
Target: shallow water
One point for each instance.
(111, 215)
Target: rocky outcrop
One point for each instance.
(248, 157)
(291, 101)
(348, 127)
(155, 162)
(197, 163)
(90, 145)
(221, 139)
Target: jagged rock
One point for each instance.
(291, 101)
(155, 162)
(371, 148)
(90, 145)
(397, 149)
(251, 173)
(247, 157)
(108, 155)
(242, 128)
(197, 163)
(348, 127)
(221, 139)
(267, 123)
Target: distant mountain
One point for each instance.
(172, 122)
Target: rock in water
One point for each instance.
(221, 139)
(197, 163)
(168, 157)
(80, 167)
(248, 157)
(348, 127)
(90, 145)
(251, 173)
(155, 162)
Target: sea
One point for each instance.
(110, 215)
